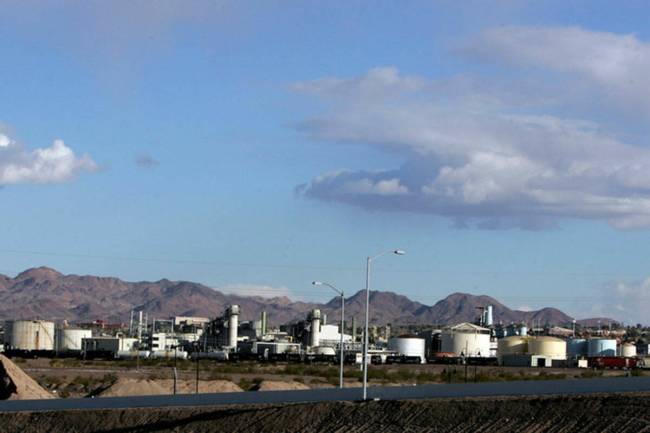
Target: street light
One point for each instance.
(364, 360)
(341, 352)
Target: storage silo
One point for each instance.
(314, 330)
(408, 345)
(70, 339)
(514, 345)
(576, 347)
(466, 339)
(628, 350)
(552, 347)
(30, 335)
(601, 347)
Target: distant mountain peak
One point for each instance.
(40, 273)
(75, 298)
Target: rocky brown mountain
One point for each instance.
(48, 294)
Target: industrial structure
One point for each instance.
(227, 337)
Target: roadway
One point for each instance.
(490, 389)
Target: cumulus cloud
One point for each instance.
(54, 164)
(491, 165)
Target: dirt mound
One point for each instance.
(205, 386)
(128, 387)
(279, 385)
(15, 384)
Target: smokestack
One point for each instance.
(139, 325)
(488, 316)
(324, 319)
(314, 317)
(263, 320)
(232, 313)
(354, 329)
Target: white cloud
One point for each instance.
(617, 65)
(485, 160)
(54, 164)
(265, 291)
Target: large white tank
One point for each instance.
(30, 335)
(70, 340)
(314, 318)
(233, 322)
(628, 350)
(466, 339)
(408, 346)
(601, 347)
(554, 348)
(576, 347)
(514, 345)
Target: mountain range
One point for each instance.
(48, 294)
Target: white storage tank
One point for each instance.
(70, 339)
(601, 347)
(466, 339)
(514, 345)
(29, 335)
(408, 345)
(551, 347)
(628, 350)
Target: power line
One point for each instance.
(310, 266)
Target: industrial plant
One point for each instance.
(314, 339)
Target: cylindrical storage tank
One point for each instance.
(488, 316)
(315, 317)
(601, 347)
(69, 339)
(514, 345)
(30, 335)
(576, 347)
(464, 340)
(628, 350)
(523, 330)
(554, 348)
(408, 346)
(233, 323)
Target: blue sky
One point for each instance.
(255, 148)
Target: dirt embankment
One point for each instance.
(589, 414)
(16, 385)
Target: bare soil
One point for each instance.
(582, 414)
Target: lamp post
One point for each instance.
(364, 360)
(341, 351)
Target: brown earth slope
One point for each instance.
(592, 414)
(15, 384)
